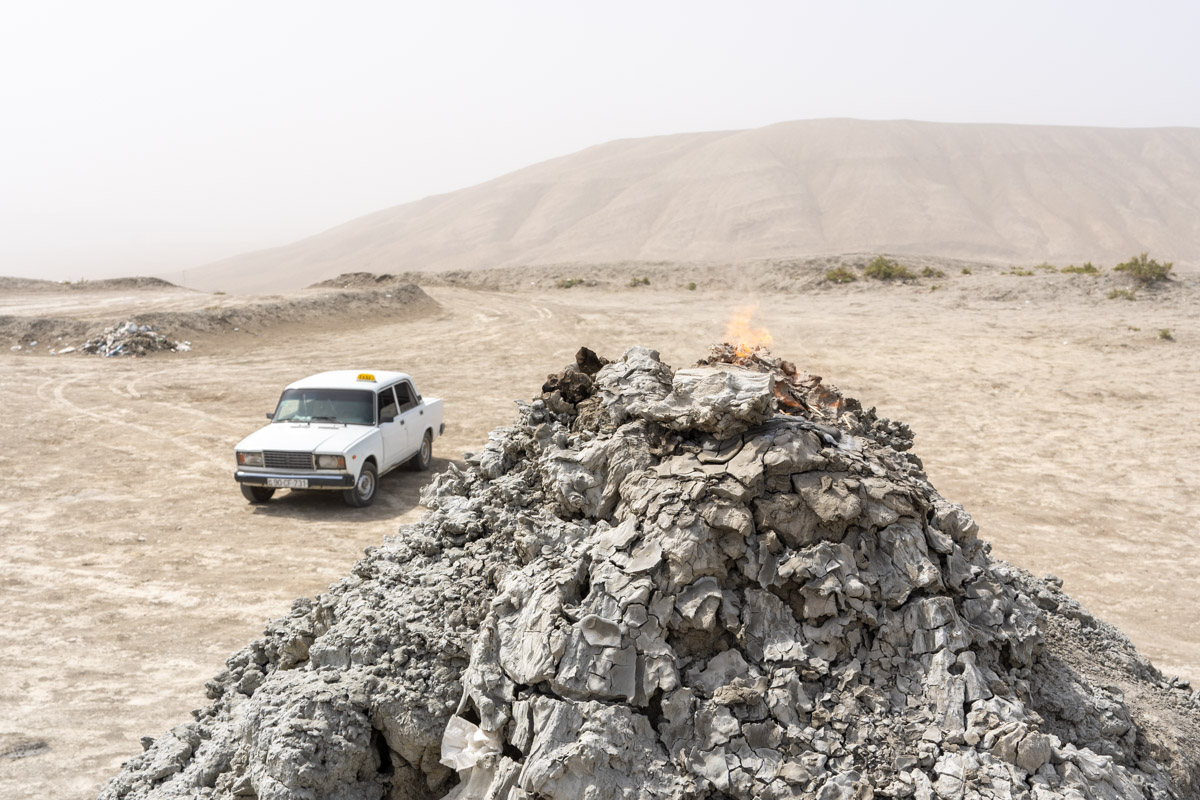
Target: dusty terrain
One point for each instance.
(1008, 192)
(132, 566)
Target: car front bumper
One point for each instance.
(315, 480)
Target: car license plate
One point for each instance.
(288, 483)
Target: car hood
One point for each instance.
(313, 437)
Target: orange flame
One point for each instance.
(739, 333)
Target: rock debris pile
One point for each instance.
(130, 339)
(654, 584)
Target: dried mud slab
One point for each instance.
(657, 584)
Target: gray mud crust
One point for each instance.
(654, 584)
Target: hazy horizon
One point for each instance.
(150, 139)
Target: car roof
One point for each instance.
(349, 379)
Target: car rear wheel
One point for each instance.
(256, 494)
(420, 462)
(362, 493)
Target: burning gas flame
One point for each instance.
(739, 333)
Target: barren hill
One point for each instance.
(992, 192)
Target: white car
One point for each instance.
(339, 430)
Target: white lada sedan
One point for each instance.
(340, 431)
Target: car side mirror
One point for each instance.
(387, 418)
(271, 415)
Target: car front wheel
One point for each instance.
(256, 494)
(363, 492)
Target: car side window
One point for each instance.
(387, 404)
(407, 398)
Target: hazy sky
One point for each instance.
(147, 137)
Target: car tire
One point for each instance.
(362, 493)
(256, 494)
(420, 462)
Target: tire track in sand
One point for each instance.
(59, 388)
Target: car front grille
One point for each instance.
(285, 460)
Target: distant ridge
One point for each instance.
(988, 192)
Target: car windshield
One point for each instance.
(349, 406)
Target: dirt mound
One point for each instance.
(360, 280)
(765, 275)
(8, 284)
(124, 284)
(722, 581)
(64, 336)
(261, 313)
(233, 314)
(846, 274)
(24, 331)
(106, 285)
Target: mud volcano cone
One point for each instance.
(727, 581)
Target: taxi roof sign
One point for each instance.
(366, 376)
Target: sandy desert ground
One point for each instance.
(132, 566)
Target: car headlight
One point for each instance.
(331, 462)
(250, 459)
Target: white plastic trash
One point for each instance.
(474, 785)
(464, 744)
